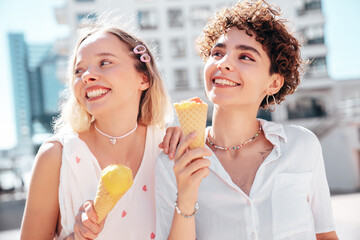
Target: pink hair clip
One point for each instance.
(141, 49)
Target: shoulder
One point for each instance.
(302, 138)
(299, 132)
(49, 155)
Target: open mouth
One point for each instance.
(96, 93)
(224, 82)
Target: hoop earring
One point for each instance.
(268, 105)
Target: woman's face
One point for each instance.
(105, 75)
(237, 71)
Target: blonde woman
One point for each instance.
(255, 179)
(115, 114)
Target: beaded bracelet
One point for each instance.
(196, 208)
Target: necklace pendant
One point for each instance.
(113, 141)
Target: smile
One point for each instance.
(96, 93)
(224, 82)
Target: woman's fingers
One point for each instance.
(174, 141)
(190, 173)
(184, 144)
(189, 156)
(85, 222)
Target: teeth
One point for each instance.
(224, 82)
(96, 93)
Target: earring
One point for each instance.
(268, 105)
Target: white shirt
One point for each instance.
(133, 217)
(289, 198)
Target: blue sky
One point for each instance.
(36, 20)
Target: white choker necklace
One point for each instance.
(113, 139)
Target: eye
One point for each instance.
(105, 62)
(216, 53)
(246, 57)
(78, 71)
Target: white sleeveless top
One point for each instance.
(133, 217)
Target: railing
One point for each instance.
(345, 111)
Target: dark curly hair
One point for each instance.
(262, 20)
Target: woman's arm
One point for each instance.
(189, 169)
(327, 236)
(42, 206)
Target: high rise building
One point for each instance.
(36, 91)
(22, 104)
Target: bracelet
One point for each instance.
(196, 208)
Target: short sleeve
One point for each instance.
(319, 197)
(165, 195)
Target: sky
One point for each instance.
(35, 18)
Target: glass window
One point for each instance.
(306, 107)
(147, 19)
(317, 65)
(81, 16)
(177, 48)
(175, 17)
(313, 34)
(312, 4)
(181, 79)
(199, 15)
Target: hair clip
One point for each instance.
(141, 49)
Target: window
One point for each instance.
(199, 15)
(312, 4)
(177, 48)
(313, 34)
(181, 79)
(309, 5)
(175, 18)
(306, 107)
(147, 19)
(317, 65)
(90, 16)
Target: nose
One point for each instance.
(89, 76)
(225, 65)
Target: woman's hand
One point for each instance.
(86, 226)
(190, 168)
(171, 140)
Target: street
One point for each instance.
(346, 214)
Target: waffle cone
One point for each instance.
(104, 202)
(114, 182)
(192, 117)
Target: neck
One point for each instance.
(232, 127)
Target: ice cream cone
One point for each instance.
(192, 116)
(114, 182)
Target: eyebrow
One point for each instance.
(104, 54)
(239, 47)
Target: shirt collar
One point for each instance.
(275, 133)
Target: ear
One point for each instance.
(277, 81)
(145, 83)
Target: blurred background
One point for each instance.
(37, 36)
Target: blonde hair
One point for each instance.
(154, 107)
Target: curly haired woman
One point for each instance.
(255, 179)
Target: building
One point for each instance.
(36, 91)
(20, 77)
(172, 26)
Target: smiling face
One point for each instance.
(238, 71)
(105, 75)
